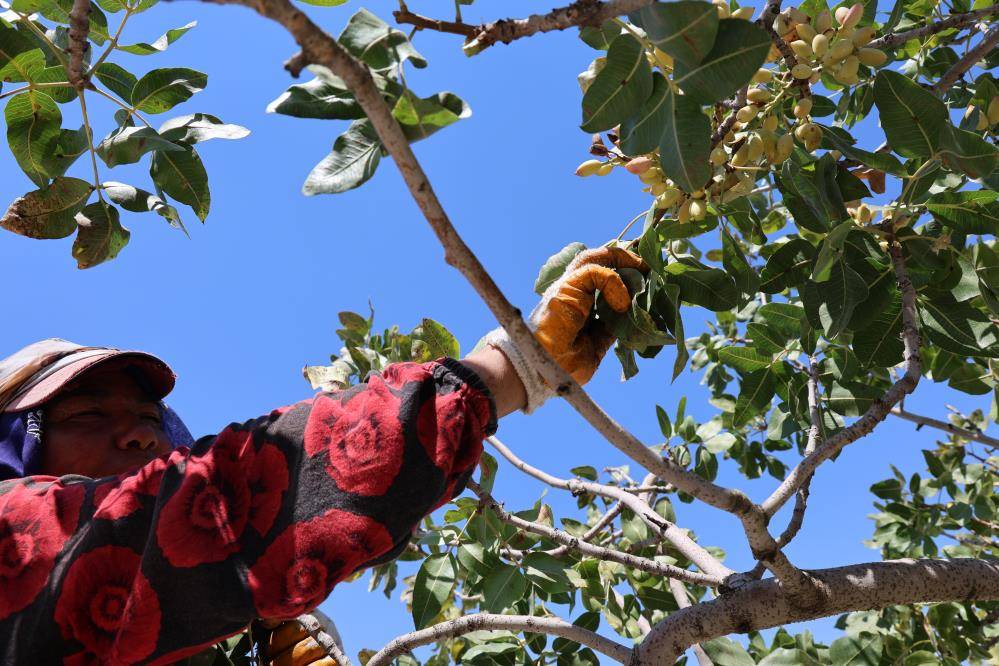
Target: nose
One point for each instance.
(139, 435)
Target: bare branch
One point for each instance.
(683, 601)
(814, 433)
(79, 29)
(801, 588)
(964, 433)
(599, 552)
(488, 621)
(591, 533)
(953, 21)
(690, 549)
(875, 585)
(424, 23)
(969, 60)
(723, 128)
(322, 629)
(879, 410)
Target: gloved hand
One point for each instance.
(564, 326)
(291, 645)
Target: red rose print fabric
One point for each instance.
(261, 520)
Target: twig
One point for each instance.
(425, 23)
(324, 632)
(599, 552)
(683, 601)
(79, 42)
(726, 125)
(112, 98)
(879, 410)
(968, 61)
(488, 621)
(963, 433)
(597, 528)
(113, 43)
(704, 560)
(953, 21)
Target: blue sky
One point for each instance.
(239, 308)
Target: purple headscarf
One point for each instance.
(21, 440)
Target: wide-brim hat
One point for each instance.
(35, 374)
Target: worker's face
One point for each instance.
(101, 424)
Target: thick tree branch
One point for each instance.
(689, 548)
(683, 601)
(963, 433)
(879, 410)
(969, 60)
(322, 629)
(79, 30)
(488, 621)
(875, 585)
(953, 21)
(599, 552)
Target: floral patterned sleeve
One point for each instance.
(261, 520)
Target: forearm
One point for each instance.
(497, 373)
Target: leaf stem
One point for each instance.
(90, 143)
(113, 43)
(56, 51)
(31, 86)
(649, 46)
(131, 110)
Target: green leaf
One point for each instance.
(621, 87)
(755, 392)
(640, 133)
(967, 152)
(433, 586)
(421, 117)
(198, 127)
(69, 146)
(745, 359)
(377, 44)
(672, 293)
(812, 194)
(439, 340)
(319, 98)
(856, 650)
(664, 424)
(726, 652)
(182, 175)
(126, 145)
(118, 80)
(911, 116)
(788, 267)
(831, 251)
(162, 89)
(546, 572)
(555, 265)
(837, 138)
(685, 145)
(852, 398)
(970, 212)
(765, 338)
(138, 200)
(959, 328)
(33, 133)
(739, 50)
(355, 157)
(161, 44)
(26, 66)
(784, 317)
(56, 74)
(880, 343)
(502, 587)
(836, 298)
(473, 557)
(685, 30)
(599, 38)
(710, 288)
(12, 44)
(734, 261)
(101, 236)
(49, 212)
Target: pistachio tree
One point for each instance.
(840, 274)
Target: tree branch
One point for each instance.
(324, 632)
(968, 61)
(689, 548)
(79, 42)
(879, 410)
(953, 21)
(875, 585)
(488, 621)
(599, 552)
(964, 433)
(405, 16)
(683, 601)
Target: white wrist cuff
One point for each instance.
(535, 387)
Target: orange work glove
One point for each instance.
(564, 326)
(291, 645)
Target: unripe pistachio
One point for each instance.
(782, 24)
(820, 45)
(770, 123)
(863, 36)
(773, 54)
(744, 13)
(657, 189)
(741, 156)
(683, 215)
(730, 138)
(669, 198)
(803, 107)
(747, 113)
(718, 156)
(823, 21)
(758, 95)
(983, 120)
(605, 169)
(845, 33)
(754, 148)
(785, 146)
(639, 165)
(801, 71)
(815, 77)
(863, 214)
(840, 49)
(853, 16)
(841, 13)
(812, 143)
(800, 131)
(762, 76)
(993, 112)
(697, 209)
(769, 140)
(588, 168)
(805, 31)
(872, 57)
(723, 10)
(797, 16)
(652, 175)
(801, 49)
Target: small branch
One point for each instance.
(79, 42)
(964, 433)
(953, 21)
(802, 590)
(489, 622)
(113, 43)
(875, 585)
(969, 60)
(879, 410)
(689, 548)
(814, 433)
(726, 125)
(599, 552)
(683, 601)
(324, 632)
(591, 533)
(423, 23)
